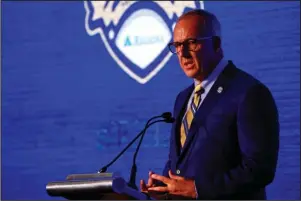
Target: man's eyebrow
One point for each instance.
(184, 40)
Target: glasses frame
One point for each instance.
(185, 41)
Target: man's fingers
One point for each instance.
(172, 176)
(158, 189)
(161, 178)
(142, 185)
(150, 181)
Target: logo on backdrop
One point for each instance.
(136, 33)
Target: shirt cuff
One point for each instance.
(196, 191)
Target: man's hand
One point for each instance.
(150, 183)
(176, 185)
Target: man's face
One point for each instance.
(193, 63)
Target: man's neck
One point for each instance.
(212, 66)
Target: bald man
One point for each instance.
(225, 140)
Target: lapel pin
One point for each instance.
(220, 89)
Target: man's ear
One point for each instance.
(216, 43)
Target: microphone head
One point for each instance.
(166, 115)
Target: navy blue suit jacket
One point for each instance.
(232, 147)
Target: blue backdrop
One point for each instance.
(68, 106)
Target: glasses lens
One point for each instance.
(193, 45)
(172, 48)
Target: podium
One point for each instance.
(98, 186)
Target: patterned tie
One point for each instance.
(198, 90)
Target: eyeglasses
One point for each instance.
(191, 44)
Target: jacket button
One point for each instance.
(178, 171)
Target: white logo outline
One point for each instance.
(99, 31)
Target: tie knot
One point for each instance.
(199, 89)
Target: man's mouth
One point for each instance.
(188, 64)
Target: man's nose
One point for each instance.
(184, 52)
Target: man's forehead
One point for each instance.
(192, 21)
(190, 26)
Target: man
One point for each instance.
(225, 140)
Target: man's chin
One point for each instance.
(191, 74)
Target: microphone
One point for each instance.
(167, 118)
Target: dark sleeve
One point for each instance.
(258, 137)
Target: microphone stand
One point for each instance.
(104, 168)
(132, 181)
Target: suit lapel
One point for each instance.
(209, 102)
